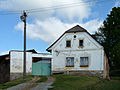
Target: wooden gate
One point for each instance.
(41, 68)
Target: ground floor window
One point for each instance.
(84, 62)
(70, 61)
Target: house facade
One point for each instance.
(76, 51)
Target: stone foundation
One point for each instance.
(89, 73)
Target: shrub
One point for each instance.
(115, 72)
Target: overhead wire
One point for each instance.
(76, 4)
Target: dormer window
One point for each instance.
(68, 43)
(80, 43)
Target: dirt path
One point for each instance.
(45, 85)
(31, 85)
(25, 86)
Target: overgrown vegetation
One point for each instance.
(109, 36)
(15, 82)
(42, 79)
(76, 82)
(115, 72)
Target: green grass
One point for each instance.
(15, 82)
(42, 79)
(110, 85)
(75, 82)
(115, 78)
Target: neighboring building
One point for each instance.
(11, 65)
(4, 68)
(76, 51)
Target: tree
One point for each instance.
(109, 36)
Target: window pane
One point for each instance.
(80, 42)
(83, 61)
(68, 43)
(70, 61)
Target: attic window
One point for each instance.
(68, 43)
(80, 43)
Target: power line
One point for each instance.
(61, 6)
(76, 4)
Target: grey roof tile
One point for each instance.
(76, 28)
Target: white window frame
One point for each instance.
(66, 44)
(69, 65)
(85, 65)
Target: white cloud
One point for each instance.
(50, 29)
(117, 4)
(49, 25)
(47, 30)
(92, 25)
(76, 8)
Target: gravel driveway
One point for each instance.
(44, 85)
(31, 85)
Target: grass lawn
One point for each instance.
(15, 82)
(76, 82)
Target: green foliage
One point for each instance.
(115, 55)
(109, 35)
(115, 72)
(115, 78)
(15, 82)
(42, 79)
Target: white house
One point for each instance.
(76, 51)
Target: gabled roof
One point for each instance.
(74, 29)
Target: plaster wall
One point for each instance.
(16, 64)
(93, 50)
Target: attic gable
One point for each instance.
(74, 29)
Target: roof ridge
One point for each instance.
(76, 28)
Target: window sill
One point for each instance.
(69, 66)
(84, 66)
(67, 47)
(80, 46)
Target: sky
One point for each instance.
(47, 20)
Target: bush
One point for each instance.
(115, 72)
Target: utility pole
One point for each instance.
(23, 18)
